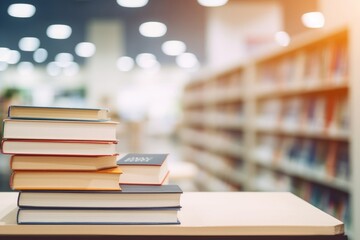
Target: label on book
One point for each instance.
(142, 159)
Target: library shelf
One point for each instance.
(311, 79)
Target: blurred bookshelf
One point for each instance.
(280, 122)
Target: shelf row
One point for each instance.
(205, 96)
(330, 169)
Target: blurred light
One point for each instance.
(64, 59)
(25, 68)
(146, 60)
(282, 38)
(313, 20)
(173, 48)
(187, 60)
(53, 69)
(3, 66)
(153, 29)
(132, 3)
(4, 54)
(125, 64)
(40, 55)
(212, 3)
(14, 57)
(72, 69)
(21, 10)
(154, 68)
(29, 44)
(58, 31)
(85, 49)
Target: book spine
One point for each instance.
(12, 179)
(9, 111)
(11, 161)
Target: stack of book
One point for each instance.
(64, 164)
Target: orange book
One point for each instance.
(62, 163)
(107, 179)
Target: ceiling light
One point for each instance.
(14, 57)
(313, 20)
(125, 64)
(153, 29)
(187, 60)
(212, 3)
(21, 10)
(25, 68)
(85, 49)
(173, 48)
(72, 69)
(40, 55)
(58, 31)
(64, 59)
(4, 54)
(3, 66)
(132, 3)
(146, 60)
(282, 38)
(29, 44)
(53, 69)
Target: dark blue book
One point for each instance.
(48, 216)
(131, 196)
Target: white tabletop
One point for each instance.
(215, 214)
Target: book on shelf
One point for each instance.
(53, 147)
(64, 113)
(59, 130)
(130, 196)
(59, 162)
(48, 216)
(144, 168)
(107, 179)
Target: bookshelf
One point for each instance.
(280, 122)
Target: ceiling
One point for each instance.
(185, 21)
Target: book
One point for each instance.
(59, 130)
(130, 196)
(144, 168)
(48, 147)
(107, 179)
(65, 113)
(51, 162)
(98, 216)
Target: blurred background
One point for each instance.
(245, 95)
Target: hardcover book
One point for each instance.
(52, 147)
(130, 196)
(98, 216)
(37, 112)
(59, 130)
(144, 169)
(52, 162)
(107, 179)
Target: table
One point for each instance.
(222, 215)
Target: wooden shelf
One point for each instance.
(307, 174)
(304, 134)
(217, 120)
(212, 142)
(284, 93)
